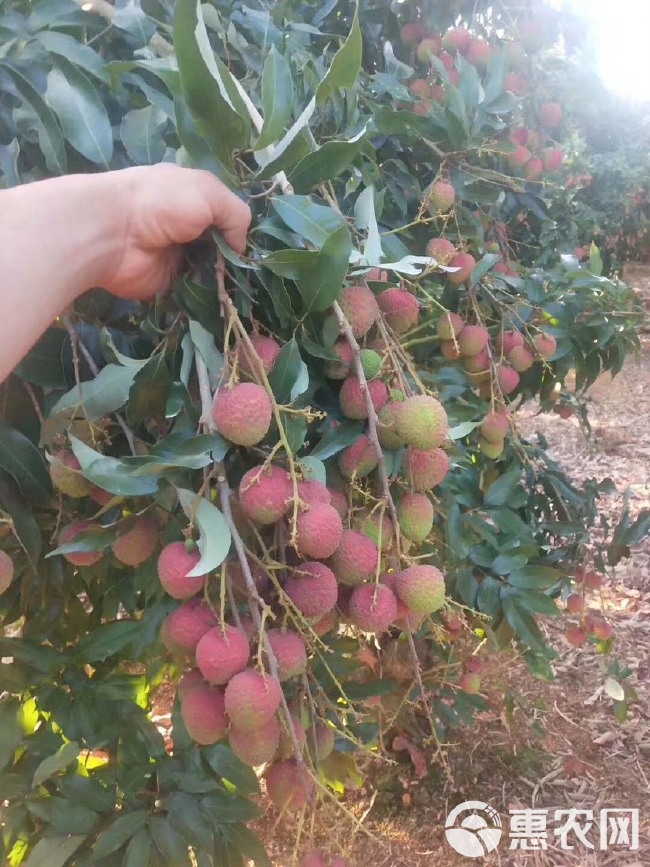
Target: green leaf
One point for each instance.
(205, 344)
(326, 163)
(322, 282)
(289, 377)
(181, 451)
(23, 461)
(222, 807)
(116, 835)
(81, 112)
(148, 394)
(298, 148)
(118, 476)
(503, 488)
(460, 431)
(75, 52)
(311, 221)
(130, 17)
(522, 623)
(535, 577)
(49, 134)
(314, 469)
(100, 396)
(203, 79)
(346, 64)
(43, 364)
(277, 98)
(249, 844)
(107, 640)
(9, 155)
(169, 842)
(54, 851)
(482, 267)
(337, 439)
(53, 764)
(142, 134)
(44, 659)
(214, 540)
(225, 763)
(595, 260)
(139, 849)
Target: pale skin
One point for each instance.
(121, 230)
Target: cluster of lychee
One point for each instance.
(589, 625)
(533, 153)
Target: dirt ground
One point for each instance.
(562, 747)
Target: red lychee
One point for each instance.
(422, 421)
(470, 683)
(550, 114)
(479, 53)
(478, 363)
(521, 358)
(534, 169)
(65, 475)
(324, 743)
(552, 158)
(507, 340)
(601, 629)
(355, 559)
(353, 397)
(174, 563)
(441, 196)
(6, 571)
(256, 747)
(575, 604)
(441, 249)
(546, 345)
(450, 350)
(312, 588)
(242, 413)
(78, 558)
(325, 624)
(340, 369)
(425, 469)
(290, 652)
(188, 682)
(465, 263)
(289, 785)
(495, 426)
(265, 494)
(266, 349)
(183, 628)
(221, 653)
(449, 326)
(400, 307)
(415, 514)
(252, 699)
(507, 378)
(420, 88)
(318, 530)
(575, 635)
(519, 157)
(457, 39)
(137, 545)
(413, 32)
(360, 308)
(515, 83)
(359, 459)
(421, 588)
(204, 715)
(340, 503)
(473, 339)
(373, 607)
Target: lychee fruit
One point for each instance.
(340, 369)
(490, 448)
(515, 83)
(379, 528)
(265, 494)
(174, 563)
(312, 491)
(312, 588)
(470, 683)
(373, 607)
(495, 426)
(289, 785)
(507, 378)
(601, 629)
(521, 358)
(360, 308)
(421, 421)
(340, 502)
(323, 744)
(371, 363)
(265, 350)
(478, 363)
(550, 115)
(188, 682)
(355, 558)
(425, 469)
(449, 326)
(6, 571)
(78, 558)
(221, 653)
(415, 515)
(290, 652)
(457, 39)
(238, 579)
(359, 459)
(400, 307)
(242, 413)
(420, 88)
(183, 629)
(412, 32)
(553, 159)
(440, 249)
(507, 340)
(204, 715)
(138, 544)
(65, 475)
(546, 345)
(441, 196)
(286, 748)
(388, 432)
(473, 339)
(575, 636)
(252, 699)
(450, 350)
(325, 624)
(534, 169)
(465, 263)
(428, 48)
(479, 53)
(575, 604)
(318, 531)
(421, 588)
(256, 747)
(353, 397)
(593, 580)
(519, 157)
(519, 136)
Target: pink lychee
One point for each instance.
(174, 564)
(242, 413)
(221, 653)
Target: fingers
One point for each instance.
(230, 215)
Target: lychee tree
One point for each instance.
(293, 487)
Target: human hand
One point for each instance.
(162, 207)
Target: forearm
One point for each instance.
(58, 238)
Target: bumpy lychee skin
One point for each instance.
(521, 358)
(359, 459)
(65, 476)
(312, 491)
(340, 369)
(479, 53)
(422, 421)
(6, 571)
(507, 341)
(576, 636)
(421, 588)
(575, 603)
(78, 558)
(442, 196)
(312, 588)
(174, 563)
(323, 745)
(552, 159)
(289, 785)
(183, 629)
(355, 558)
(491, 449)
(550, 114)
(252, 699)
(379, 528)
(137, 545)
(473, 339)
(519, 157)
(373, 607)
(371, 363)
(425, 469)
(470, 683)
(387, 427)
(440, 249)
(319, 530)
(401, 309)
(340, 503)
(221, 653)
(508, 378)
(265, 348)
(204, 715)
(477, 363)
(360, 308)
(189, 681)
(415, 515)
(420, 88)
(546, 345)
(256, 747)
(242, 413)
(353, 397)
(450, 350)
(495, 426)
(290, 652)
(465, 263)
(265, 494)
(457, 39)
(449, 326)
(534, 169)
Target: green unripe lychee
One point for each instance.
(449, 326)
(491, 450)
(387, 429)
(422, 421)
(65, 475)
(421, 588)
(371, 363)
(415, 514)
